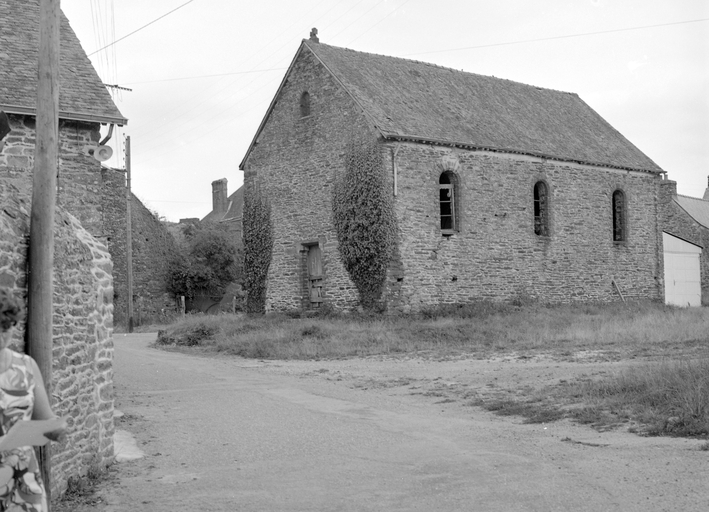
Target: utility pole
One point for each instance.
(129, 241)
(44, 200)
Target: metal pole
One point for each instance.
(44, 200)
(129, 241)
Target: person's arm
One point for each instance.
(42, 408)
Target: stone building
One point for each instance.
(501, 190)
(94, 194)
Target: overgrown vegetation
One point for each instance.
(258, 248)
(81, 493)
(668, 397)
(364, 220)
(211, 263)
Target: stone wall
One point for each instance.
(153, 248)
(295, 162)
(97, 197)
(679, 223)
(495, 255)
(82, 379)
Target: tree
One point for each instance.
(212, 262)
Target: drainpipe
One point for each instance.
(393, 168)
(108, 136)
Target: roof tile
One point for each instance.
(82, 94)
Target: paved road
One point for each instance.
(225, 435)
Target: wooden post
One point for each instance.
(129, 242)
(44, 200)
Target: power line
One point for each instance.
(206, 76)
(141, 28)
(560, 37)
(377, 23)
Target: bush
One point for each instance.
(212, 262)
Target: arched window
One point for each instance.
(620, 230)
(541, 209)
(447, 201)
(305, 104)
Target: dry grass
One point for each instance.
(666, 397)
(478, 329)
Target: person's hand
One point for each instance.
(59, 433)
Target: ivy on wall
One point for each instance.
(364, 220)
(258, 248)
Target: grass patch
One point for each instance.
(670, 397)
(481, 328)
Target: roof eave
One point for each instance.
(63, 114)
(468, 145)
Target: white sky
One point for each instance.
(187, 130)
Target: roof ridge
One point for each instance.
(308, 42)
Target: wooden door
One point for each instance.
(315, 275)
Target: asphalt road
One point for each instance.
(224, 435)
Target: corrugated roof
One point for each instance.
(82, 95)
(419, 101)
(697, 208)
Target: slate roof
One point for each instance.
(235, 206)
(697, 208)
(417, 101)
(82, 95)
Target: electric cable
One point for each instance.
(567, 36)
(141, 28)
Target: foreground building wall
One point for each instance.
(82, 380)
(301, 200)
(97, 197)
(494, 252)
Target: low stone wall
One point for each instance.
(82, 379)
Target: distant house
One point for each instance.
(501, 190)
(96, 195)
(227, 209)
(685, 226)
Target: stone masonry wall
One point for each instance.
(82, 378)
(153, 248)
(78, 181)
(97, 197)
(495, 255)
(295, 163)
(677, 222)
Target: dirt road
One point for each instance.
(372, 435)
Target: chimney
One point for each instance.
(314, 36)
(219, 196)
(706, 192)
